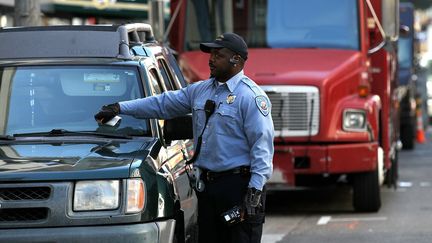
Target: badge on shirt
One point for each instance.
(230, 99)
(263, 104)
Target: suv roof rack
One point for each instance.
(104, 41)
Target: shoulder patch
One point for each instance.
(263, 104)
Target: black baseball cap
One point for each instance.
(231, 41)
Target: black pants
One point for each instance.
(220, 195)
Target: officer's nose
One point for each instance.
(211, 58)
(211, 61)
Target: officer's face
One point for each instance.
(220, 66)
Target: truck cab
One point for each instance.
(329, 69)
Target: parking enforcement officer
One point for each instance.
(236, 140)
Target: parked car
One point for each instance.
(64, 177)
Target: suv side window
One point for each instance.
(166, 74)
(158, 88)
(175, 67)
(155, 81)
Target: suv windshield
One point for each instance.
(39, 99)
(276, 23)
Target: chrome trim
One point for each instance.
(291, 109)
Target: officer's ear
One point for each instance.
(235, 59)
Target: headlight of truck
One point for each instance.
(96, 195)
(354, 120)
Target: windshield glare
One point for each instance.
(276, 23)
(57, 97)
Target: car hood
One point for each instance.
(36, 159)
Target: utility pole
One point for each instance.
(27, 13)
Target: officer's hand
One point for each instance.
(107, 112)
(252, 201)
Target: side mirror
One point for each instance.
(387, 26)
(178, 129)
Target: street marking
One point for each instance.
(272, 238)
(405, 184)
(324, 220)
(328, 219)
(425, 184)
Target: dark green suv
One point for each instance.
(63, 177)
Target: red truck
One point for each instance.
(330, 71)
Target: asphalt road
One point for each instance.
(326, 215)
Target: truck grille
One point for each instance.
(293, 107)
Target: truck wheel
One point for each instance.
(366, 192)
(392, 174)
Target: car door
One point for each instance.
(176, 152)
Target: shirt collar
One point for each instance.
(232, 82)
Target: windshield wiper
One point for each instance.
(63, 132)
(7, 137)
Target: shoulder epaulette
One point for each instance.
(253, 86)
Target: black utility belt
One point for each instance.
(213, 175)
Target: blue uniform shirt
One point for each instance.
(239, 133)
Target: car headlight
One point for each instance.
(354, 120)
(96, 195)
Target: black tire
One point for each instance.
(366, 192)
(392, 175)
